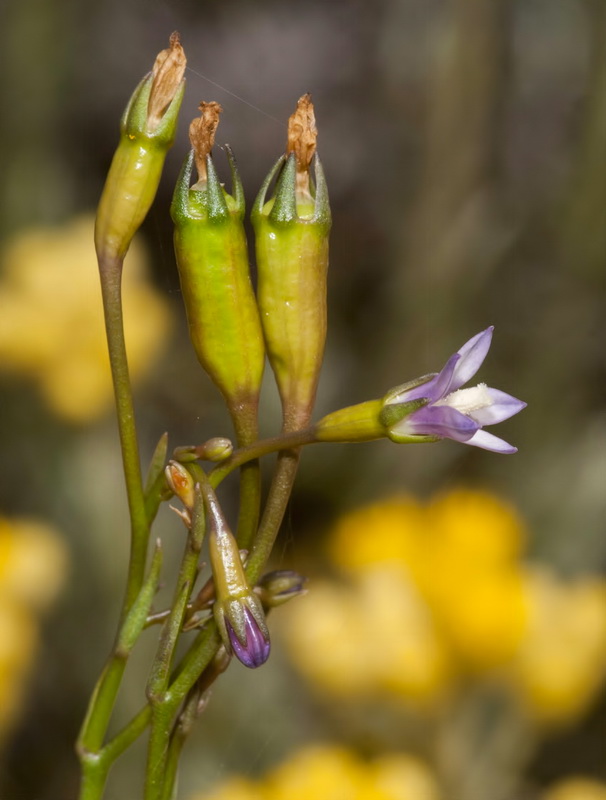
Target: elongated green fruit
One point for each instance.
(222, 314)
(291, 231)
(147, 131)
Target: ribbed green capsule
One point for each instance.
(147, 132)
(292, 262)
(222, 314)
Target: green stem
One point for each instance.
(96, 759)
(287, 441)
(101, 706)
(182, 729)
(275, 508)
(162, 700)
(94, 767)
(111, 279)
(129, 734)
(247, 432)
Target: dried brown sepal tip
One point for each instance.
(167, 74)
(302, 136)
(202, 136)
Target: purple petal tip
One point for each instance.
(255, 651)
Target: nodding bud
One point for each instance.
(279, 587)
(147, 130)
(212, 257)
(237, 609)
(216, 449)
(181, 483)
(291, 230)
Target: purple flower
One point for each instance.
(252, 649)
(448, 412)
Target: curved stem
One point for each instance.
(94, 767)
(287, 441)
(111, 279)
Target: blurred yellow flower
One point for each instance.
(577, 789)
(401, 777)
(32, 569)
(482, 530)
(379, 533)
(372, 635)
(329, 772)
(432, 588)
(440, 590)
(562, 661)
(51, 318)
(33, 562)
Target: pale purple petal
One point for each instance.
(256, 649)
(472, 355)
(487, 441)
(434, 389)
(503, 406)
(443, 421)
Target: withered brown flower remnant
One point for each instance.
(202, 137)
(301, 140)
(167, 74)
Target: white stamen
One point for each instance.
(467, 400)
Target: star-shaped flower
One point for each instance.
(446, 411)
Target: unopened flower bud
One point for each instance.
(147, 131)
(291, 230)
(237, 609)
(181, 483)
(212, 257)
(216, 449)
(280, 586)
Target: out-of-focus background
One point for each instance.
(453, 641)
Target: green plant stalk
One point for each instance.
(273, 514)
(111, 279)
(94, 763)
(247, 433)
(161, 699)
(94, 729)
(181, 731)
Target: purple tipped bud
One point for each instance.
(255, 650)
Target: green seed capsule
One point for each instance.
(147, 131)
(291, 232)
(222, 314)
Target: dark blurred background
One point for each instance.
(464, 143)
